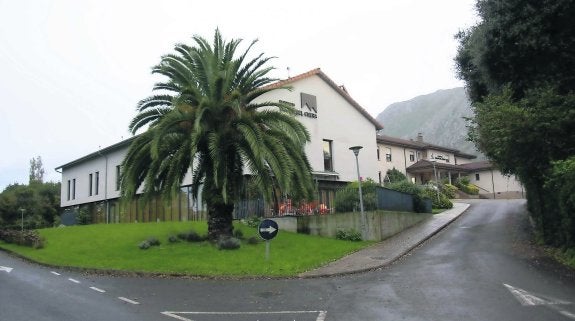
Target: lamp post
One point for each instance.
(355, 150)
(22, 210)
(436, 180)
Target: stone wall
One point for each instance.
(382, 224)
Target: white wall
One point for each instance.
(501, 182)
(81, 173)
(399, 159)
(337, 120)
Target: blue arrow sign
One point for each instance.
(268, 229)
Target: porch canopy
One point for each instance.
(425, 171)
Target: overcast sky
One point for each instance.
(71, 72)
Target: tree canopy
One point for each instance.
(204, 120)
(518, 64)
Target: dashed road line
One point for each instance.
(55, 273)
(128, 300)
(97, 290)
(74, 280)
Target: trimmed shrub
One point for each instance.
(348, 235)
(153, 241)
(144, 245)
(191, 236)
(228, 243)
(173, 239)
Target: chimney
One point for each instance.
(420, 137)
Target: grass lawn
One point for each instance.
(115, 247)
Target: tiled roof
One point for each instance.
(475, 166)
(419, 145)
(332, 84)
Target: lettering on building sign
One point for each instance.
(440, 157)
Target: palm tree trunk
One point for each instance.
(220, 213)
(220, 216)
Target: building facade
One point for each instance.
(417, 159)
(334, 120)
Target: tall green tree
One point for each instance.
(203, 120)
(36, 170)
(518, 64)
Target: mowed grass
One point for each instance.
(115, 247)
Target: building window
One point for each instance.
(118, 177)
(388, 154)
(476, 176)
(90, 185)
(379, 175)
(69, 186)
(378, 153)
(97, 184)
(411, 156)
(74, 189)
(327, 155)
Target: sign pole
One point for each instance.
(267, 250)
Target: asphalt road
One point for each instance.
(482, 267)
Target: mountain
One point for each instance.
(438, 116)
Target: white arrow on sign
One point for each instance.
(526, 298)
(5, 268)
(269, 229)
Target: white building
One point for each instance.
(335, 121)
(422, 162)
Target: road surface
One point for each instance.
(482, 267)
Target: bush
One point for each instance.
(449, 190)
(173, 239)
(83, 217)
(228, 243)
(415, 190)
(464, 186)
(252, 221)
(443, 201)
(29, 238)
(144, 245)
(191, 236)
(153, 241)
(348, 235)
(347, 198)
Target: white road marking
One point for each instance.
(526, 298)
(128, 300)
(568, 314)
(321, 314)
(6, 269)
(55, 273)
(74, 280)
(97, 290)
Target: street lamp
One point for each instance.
(22, 210)
(355, 150)
(436, 181)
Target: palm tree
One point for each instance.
(203, 120)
